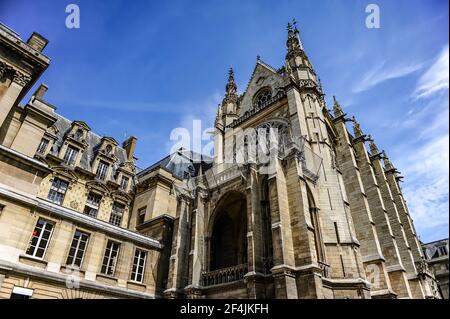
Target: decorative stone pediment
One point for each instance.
(97, 186)
(121, 196)
(65, 172)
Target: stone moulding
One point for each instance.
(62, 279)
(55, 210)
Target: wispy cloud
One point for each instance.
(383, 72)
(427, 188)
(425, 163)
(435, 79)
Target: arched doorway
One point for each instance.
(228, 246)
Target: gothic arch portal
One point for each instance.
(228, 232)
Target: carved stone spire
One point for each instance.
(297, 64)
(228, 111)
(387, 162)
(338, 112)
(357, 131)
(293, 42)
(230, 89)
(373, 147)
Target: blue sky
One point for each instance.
(145, 67)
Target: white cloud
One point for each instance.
(381, 73)
(435, 79)
(427, 186)
(425, 164)
(203, 111)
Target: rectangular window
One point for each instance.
(102, 169)
(21, 293)
(124, 183)
(71, 156)
(58, 191)
(141, 215)
(40, 238)
(117, 214)
(92, 204)
(77, 249)
(110, 258)
(137, 273)
(42, 146)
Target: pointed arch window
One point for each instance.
(262, 98)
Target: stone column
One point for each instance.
(198, 246)
(284, 261)
(255, 278)
(177, 267)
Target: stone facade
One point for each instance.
(292, 205)
(436, 254)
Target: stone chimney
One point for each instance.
(39, 93)
(37, 41)
(130, 145)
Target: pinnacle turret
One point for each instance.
(338, 112)
(357, 131)
(387, 162)
(297, 63)
(293, 42)
(373, 147)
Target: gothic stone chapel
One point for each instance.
(293, 204)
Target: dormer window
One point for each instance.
(262, 98)
(102, 170)
(79, 134)
(124, 183)
(42, 146)
(108, 149)
(70, 156)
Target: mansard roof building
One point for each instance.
(292, 205)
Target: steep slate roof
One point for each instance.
(182, 163)
(64, 125)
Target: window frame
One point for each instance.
(42, 149)
(77, 249)
(141, 212)
(99, 174)
(71, 155)
(136, 267)
(105, 268)
(115, 214)
(127, 179)
(37, 245)
(57, 190)
(92, 206)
